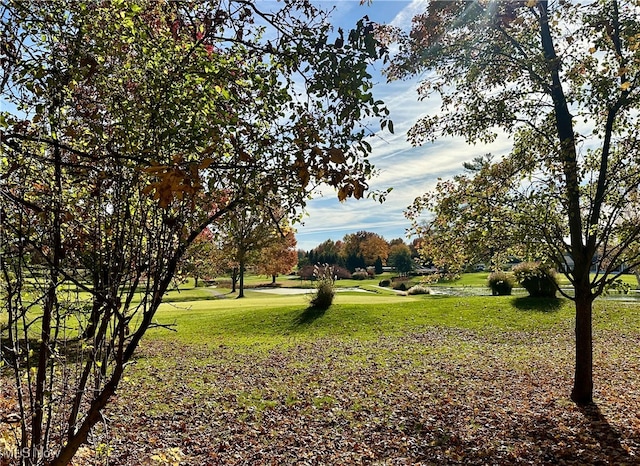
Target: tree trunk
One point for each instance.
(94, 319)
(94, 414)
(241, 285)
(40, 425)
(234, 279)
(582, 392)
(196, 281)
(273, 279)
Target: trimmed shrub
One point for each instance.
(537, 278)
(323, 297)
(419, 289)
(402, 286)
(500, 283)
(340, 273)
(386, 283)
(360, 275)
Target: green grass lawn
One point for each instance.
(273, 319)
(379, 378)
(471, 279)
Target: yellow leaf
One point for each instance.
(532, 3)
(625, 85)
(337, 156)
(592, 50)
(206, 163)
(343, 193)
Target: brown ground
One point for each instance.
(441, 397)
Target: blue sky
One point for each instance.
(410, 171)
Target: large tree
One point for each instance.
(247, 232)
(328, 252)
(366, 247)
(279, 256)
(562, 79)
(127, 129)
(471, 219)
(400, 258)
(202, 259)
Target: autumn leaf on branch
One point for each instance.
(173, 182)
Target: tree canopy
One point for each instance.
(400, 258)
(202, 259)
(471, 219)
(363, 248)
(251, 235)
(561, 79)
(278, 257)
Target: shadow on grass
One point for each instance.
(527, 303)
(71, 349)
(309, 315)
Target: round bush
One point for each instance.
(419, 289)
(385, 283)
(538, 279)
(500, 283)
(359, 275)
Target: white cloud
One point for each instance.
(403, 19)
(410, 171)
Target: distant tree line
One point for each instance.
(362, 250)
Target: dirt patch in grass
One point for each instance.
(443, 396)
